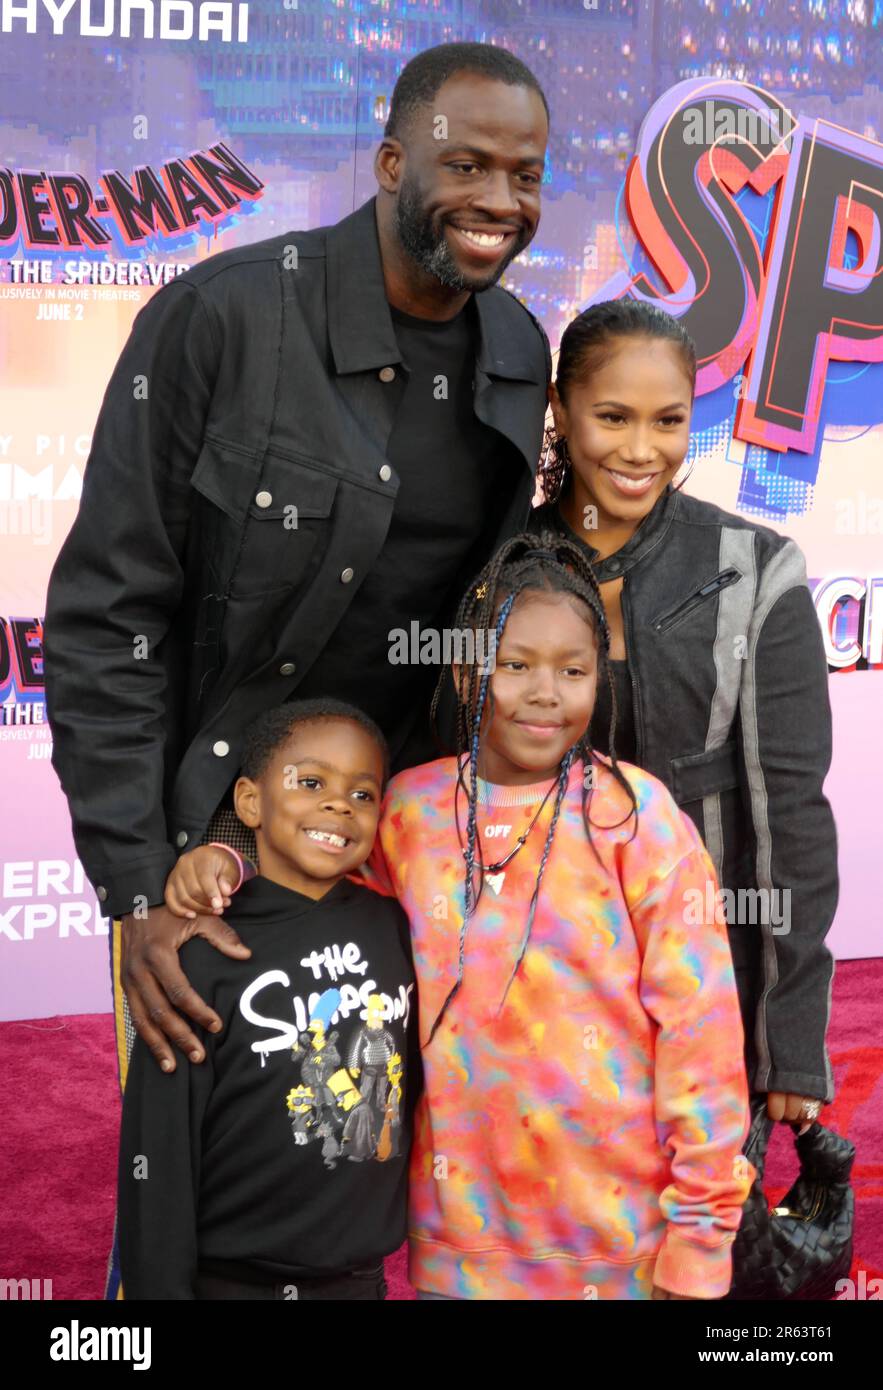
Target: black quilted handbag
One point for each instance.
(801, 1248)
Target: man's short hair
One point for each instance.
(419, 81)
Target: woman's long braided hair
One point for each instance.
(586, 344)
(548, 563)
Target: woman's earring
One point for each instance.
(548, 449)
(554, 464)
(691, 457)
(564, 464)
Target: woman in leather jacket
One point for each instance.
(717, 680)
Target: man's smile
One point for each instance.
(484, 243)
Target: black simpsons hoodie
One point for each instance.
(285, 1152)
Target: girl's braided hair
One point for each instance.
(587, 343)
(548, 563)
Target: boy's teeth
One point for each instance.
(326, 835)
(482, 239)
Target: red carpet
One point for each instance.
(60, 1101)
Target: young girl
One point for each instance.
(585, 1099)
(719, 670)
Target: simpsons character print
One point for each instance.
(346, 1046)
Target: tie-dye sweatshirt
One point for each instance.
(582, 1141)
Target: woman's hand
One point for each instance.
(664, 1293)
(782, 1105)
(201, 882)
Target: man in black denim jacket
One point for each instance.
(239, 492)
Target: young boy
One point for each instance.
(277, 1168)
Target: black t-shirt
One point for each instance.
(456, 477)
(276, 1158)
(599, 729)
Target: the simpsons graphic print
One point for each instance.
(355, 1110)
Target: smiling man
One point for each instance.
(306, 443)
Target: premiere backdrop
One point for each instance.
(721, 156)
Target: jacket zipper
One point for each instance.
(720, 581)
(636, 702)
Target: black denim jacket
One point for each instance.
(732, 713)
(236, 494)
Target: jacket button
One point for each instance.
(264, 499)
(387, 373)
(287, 668)
(181, 838)
(101, 893)
(614, 565)
(346, 576)
(385, 473)
(220, 749)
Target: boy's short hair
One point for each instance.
(266, 734)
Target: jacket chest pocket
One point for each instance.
(271, 522)
(670, 616)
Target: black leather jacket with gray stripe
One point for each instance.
(730, 688)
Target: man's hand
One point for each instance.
(154, 981)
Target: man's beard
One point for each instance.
(430, 249)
